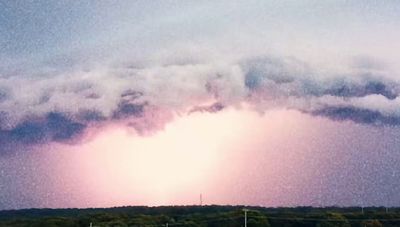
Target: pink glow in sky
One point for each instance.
(235, 156)
(229, 156)
(192, 155)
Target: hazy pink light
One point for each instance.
(157, 167)
(209, 153)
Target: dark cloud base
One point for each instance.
(53, 127)
(357, 115)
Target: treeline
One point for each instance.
(224, 216)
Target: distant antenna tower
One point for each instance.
(201, 199)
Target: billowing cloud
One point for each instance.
(60, 106)
(141, 69)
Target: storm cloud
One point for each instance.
(114, 64)
(60, 107)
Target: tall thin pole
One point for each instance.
(201, 199)
(245, 217)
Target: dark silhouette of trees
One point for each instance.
(202, 216)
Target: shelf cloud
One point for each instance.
(59, 106)
(74, 76)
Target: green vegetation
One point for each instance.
(221, 216)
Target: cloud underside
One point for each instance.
(41, 106)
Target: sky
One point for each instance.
(270, 103)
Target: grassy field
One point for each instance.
(229, 216)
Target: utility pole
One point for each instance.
(362, 210)
(201, 199)
(245, 217)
